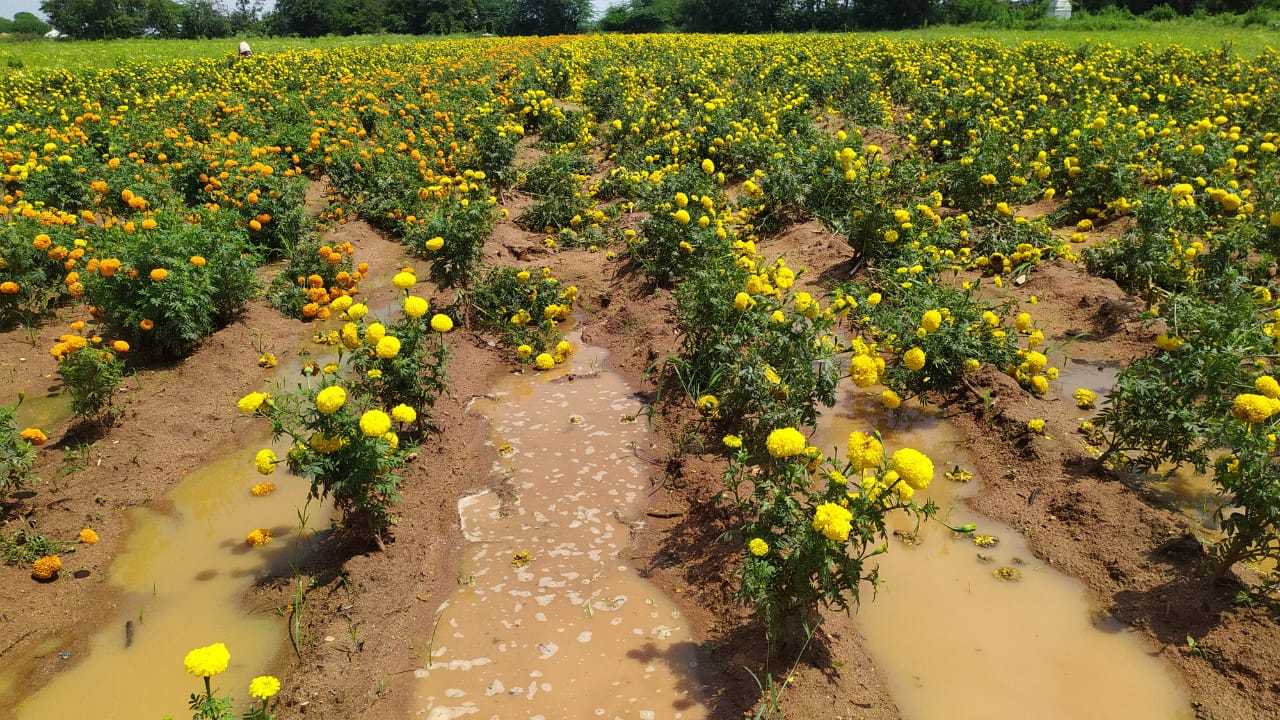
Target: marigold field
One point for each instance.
(746, 223)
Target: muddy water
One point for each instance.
(182, 574)
(45, 411)
(569, 630)
(956, 642)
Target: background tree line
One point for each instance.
(105, 19)
(101, 19)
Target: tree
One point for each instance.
(97, 19)
(550, 17)
(25, 23)
(203, 19)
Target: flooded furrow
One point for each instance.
(976, 627)
(182, 574)
(550, 620)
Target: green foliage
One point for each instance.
(460, 217)
(91, 375)
(523, 307)
(1180, 406)
(311, 279)
(171, 317)
(806, 562)
(23, 546)
(767, 357)
(17, 455)
(415, 376)
(971, 331)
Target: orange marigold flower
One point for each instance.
(120, 346)
(35, 436)
(159, 274)
(146, 324)
(46, 567)
(88, 536)
(9, 287)
(197, 260)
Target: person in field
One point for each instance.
(244, 49)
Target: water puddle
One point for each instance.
(46, 411)
(550, 620)
(181, 575)
(955, 640)
(1100, 377)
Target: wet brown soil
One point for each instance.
(1129, 549)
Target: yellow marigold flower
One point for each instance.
(258, 538)
(207, 661)
(388, 347)
(35, 436)
(742, 301)
(265, 461)
(404, 280)
(415, 307)
(263, 687)
(1168, 344)
(404, 413)
(864, 451)
(392, 439)
(1267, 385)
(330, 399)
(267, 360)
(544, 361)
(732, 441)
(441, 323)
(374, 333)
(120, 346)
(931, 320)
(251, 402)
(890, 400)
(88, 536)
(1085, 398)
(915, 468)
(1023, 322)
(341, 303)
(785, 442)
(1252, 408)
(357, 311)
(708, 166)
(564, 348)
(832, 521)
(682, 216)
(262, 489)
(435, 243)
(1039, 384)
(971, 364)
(914, 359)
(46, 567)
(873, 298)
(759, 547)
(863, 371)
(375, 423)
(351, 336)
(1036, 425)
(709, 406)
(1036, 361)
(524, 352)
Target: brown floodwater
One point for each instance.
(550, 620)
(956, 642)
(181, 577)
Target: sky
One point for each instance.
(9, 7)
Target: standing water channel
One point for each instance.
(180, 577)
(954, 640)
(550, 620)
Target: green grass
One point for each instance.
(1194, 34)
(45, 54)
